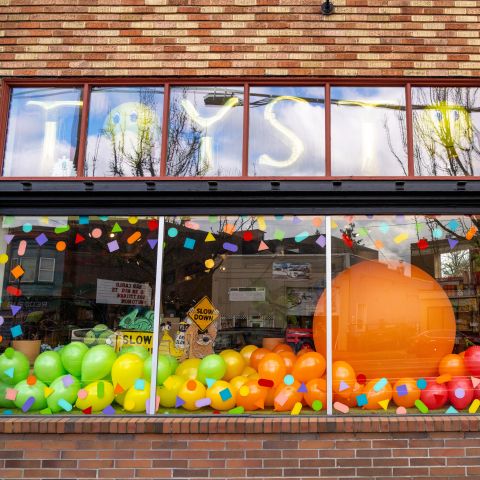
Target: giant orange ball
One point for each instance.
(387, 322)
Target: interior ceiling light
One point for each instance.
(327, 8)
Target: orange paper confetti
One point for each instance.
(473, 230)
(61, 246)
(18, 271)
(378, 244)
(134, 237)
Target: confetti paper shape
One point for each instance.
(108, 410)
(28, 404)
(362, 231)
(262, 246)
(262, 225)
(475, 381)
(452, 225)
(116, 228)
(421, 383)
(341, 407)
(79, 238)
(343, 386)
(443, 378)
(17, 271)
(400, 238)
(378, 244)
(300, 237)
(231, 247)
(237, 411)
(192, 225)
(384, 227)
(96, 233)
(452, 242)
(15, 309)
(27, 227)
(288, 379)
(384, 403)
(7, 412)
(31, 380)
(152, 224)
(459, 393)
(179, 402)
(321, 241)
(265, 382)
(296, 220)
(213, 218)
(210, 237)
(402, 390)
(152, 242)
(61, 246)
(189, 243)
(119, 389)
(172, 232)
(361, 400)
(62, 229)
(67, 380)
(225, 394)
(9, 372)
(317, 405)
(471, 232)
(437, 233)
(401, 411)
(380, 384)
(46, 411)
(244, 391)
(22, 248)
(113, 246)
(1, 320)
(248, 236)
(451, 410)
(210, 382)
(422, 244)
(14, 291)
(209, 263)
(132, 220)
(203, 402)
(347, 240)
(16, 331)
(421, 406)
(8, 238)
(83, 220)
(474, 406)
(316, 221)
(41, 239)
(279, 235)
(87, 411)
(103, 218)
(229, 229)
(139, 384)
(297, 408)
(281, 398)
(67, 406)
(11, 394)
(134, 237)
(47, 391)
(3, 258)
(302, 388)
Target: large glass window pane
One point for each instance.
(405, 310)
(287, 126)
(124, 132)
(76, 293)
(446, 124)
(235, 288)
(205, 131)
(42, 135)
(369, 135)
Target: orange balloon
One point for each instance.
(413, 393)
(309, 366)
(305, 349)
(237, 382)
(317, 390)
(282, 347)
(388, 322)
(373, 397)
(453, 365)
(270, 398)
(257, 355)
(349, 396)
(252, 397)
(343, 376)
(289, 360)
(246, 352)
(272, 367)
(286, 396)
(462, 354)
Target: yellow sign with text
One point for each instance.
(127, 338)
(203, 313)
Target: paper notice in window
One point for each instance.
(115, 292)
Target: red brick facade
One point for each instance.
(239, 37)
(337, 448)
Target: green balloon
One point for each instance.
(97, 363)
(72, 356)
(173, 363)
(212, 366)
(163, 369)
(25, 391)
(48, 366)
(12, 359)
(142, 352)
(4, 403)
(62, 392)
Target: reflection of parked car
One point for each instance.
(299, 338)
(237, 338)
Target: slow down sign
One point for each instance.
(203, 313)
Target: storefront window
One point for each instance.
(124, 132)
(74, 289)
(446, 131)
(369, 136)
(287, 127)
(42, 135)
(205, 131)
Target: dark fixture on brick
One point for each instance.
(327, 8)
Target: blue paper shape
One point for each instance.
(82, 220)
(452, 242)
(103, 218)
(437, 233)
(65, 405)
(384, 227)
(15, 309)
(421, 383)
(452, 225)
(300, 237)
(28, 404)
(402, 390)
(41, 239)
(9, 372)
(189, 243)
(303, 388)
(16, 331)
(451, 410)
(380, 384)
(7, 412)
(152, 242)
(362, 400)
(139, 384)
(225, 394)
(231, 247)
(109, 410)
(179, 402)
(210, 382)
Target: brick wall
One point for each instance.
(335, 448)
(239, 37)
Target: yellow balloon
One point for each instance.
(169, 391)
(190, 392)
(237, 382)
(136, 400)
(246, 352)
(126, 369)
(222, 395)
(188, 368)
(247, 371)
(120, 398)
(254, 376)
(235, 363)
(93, 399)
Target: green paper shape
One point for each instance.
(117, 228)
(279, 235)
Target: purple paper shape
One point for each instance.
(303, 388)
(231, 247)
(28, 404)
(41, 239)
(402, 390)
(203, 402)
(8, 238)
(15, 309)
(152, 242)
(179, 402)
(112, 246)
(452, 242)
(67, 380)
(343, 386)
(321, 241)
(109, 410)
(296, 220)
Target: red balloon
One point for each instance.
(460, 392)
(435, 395)
(476, 392)
(472, 360)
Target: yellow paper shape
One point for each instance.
(384, 403)
(400, 238)
(474, 406)
(297, 408)
(210, 238)
(262, 225)
(48, 391)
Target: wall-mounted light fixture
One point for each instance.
(327, 8)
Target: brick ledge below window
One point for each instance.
(241, 425)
